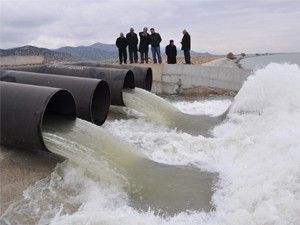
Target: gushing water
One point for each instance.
(163, 112)
(256, 153)
(164, 188)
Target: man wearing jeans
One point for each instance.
(186, 46)
(155, 40)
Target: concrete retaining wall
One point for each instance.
(20, 60)
(198, 79)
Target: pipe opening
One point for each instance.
(61, 103)
(148, 79)
(60, 107)
(100, 103)
(129, 80)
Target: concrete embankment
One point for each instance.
(21, 60)
(218, 77)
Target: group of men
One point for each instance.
(154, 40)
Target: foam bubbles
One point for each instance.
(274, 88)
(212, 107)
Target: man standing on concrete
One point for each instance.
(186, 46)
(121, 43)
(144, 44)
(132, 41)
(155, 40)
(171, 53)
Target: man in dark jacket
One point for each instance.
(171, 53)
(121, 43)
(144, 45)
(186, 46)
(155, 40)
(132, 41)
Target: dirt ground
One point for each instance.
(19, 169)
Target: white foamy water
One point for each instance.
(256, 152)
(207, 107)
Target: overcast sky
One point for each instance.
(215, 26)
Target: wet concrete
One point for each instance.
(20, 169)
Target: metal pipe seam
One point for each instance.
(92, 96)
(117, 79)
(143, 76)
(24, 109)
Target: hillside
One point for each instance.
(97, 51)
(28, 50)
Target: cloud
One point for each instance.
(215, 26)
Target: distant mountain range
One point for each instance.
(97, 51)
(49, 55)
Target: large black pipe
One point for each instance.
(142, 75)
(24, 108)
(92, 96)
(117, 79)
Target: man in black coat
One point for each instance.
(171, 53)
(121, 43)
(144, 45)
(132, 41)
(186, 46)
